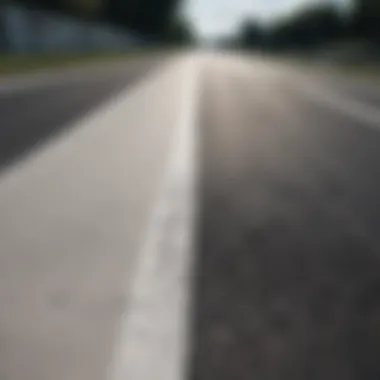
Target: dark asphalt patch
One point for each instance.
(288, 252)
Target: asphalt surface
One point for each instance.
(288, 274)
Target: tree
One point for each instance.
(148, 17)
(89, 8)
(3, 31)
(366, 20)
(307, 29)
(180, 31)
(251, 34)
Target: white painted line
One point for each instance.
(154, 337)
(356, 110)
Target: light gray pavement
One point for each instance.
(73, 214)
(34, 107)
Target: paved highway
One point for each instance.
(289, 256)
(205, 217)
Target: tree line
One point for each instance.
(315, 26)
(155, 19)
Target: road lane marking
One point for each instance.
(154, 338)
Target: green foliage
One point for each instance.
(251, 34)
(366, 20)
(316, 26)
(309, 28)
(150, 17)
(147, 17)
(180, 31)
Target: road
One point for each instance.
(205, 216)
(289, 265)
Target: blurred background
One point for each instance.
(44, 32)
(327, 30)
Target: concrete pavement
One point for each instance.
(73, 216)
(34, 107)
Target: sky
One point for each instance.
(218, 17)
